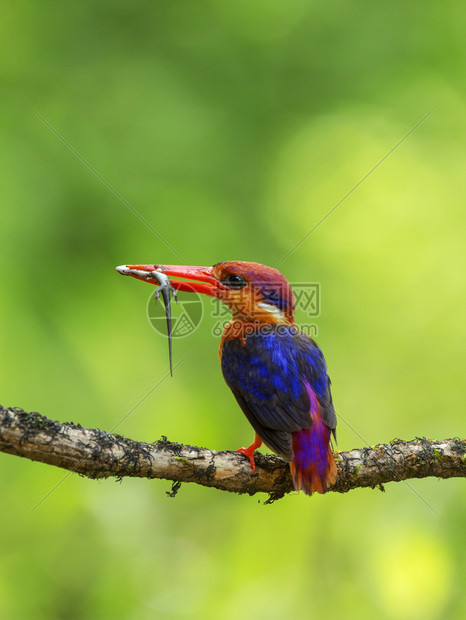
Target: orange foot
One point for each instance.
(249, 451)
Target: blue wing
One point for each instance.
(268, 376)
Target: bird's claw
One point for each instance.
(250, 455)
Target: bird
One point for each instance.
(276, 372)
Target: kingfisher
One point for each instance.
(276, 372)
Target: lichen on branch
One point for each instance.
(97, 454)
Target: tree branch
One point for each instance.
(97, 454)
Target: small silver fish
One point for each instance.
(165, 289)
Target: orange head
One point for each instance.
(254, 292)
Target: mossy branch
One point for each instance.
(97, 454)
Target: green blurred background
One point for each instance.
(232, 128)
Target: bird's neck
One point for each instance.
(241, 329)
(260, 313)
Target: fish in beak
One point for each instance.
(197, 279)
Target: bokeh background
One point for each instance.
(233, 128)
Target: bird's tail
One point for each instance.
(313, 467)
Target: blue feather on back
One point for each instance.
(268, 375)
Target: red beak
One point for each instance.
(203, 282)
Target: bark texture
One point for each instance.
(97, 454)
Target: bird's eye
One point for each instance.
(234, 281)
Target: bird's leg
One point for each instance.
(249, 451)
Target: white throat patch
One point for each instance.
(279, 314)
